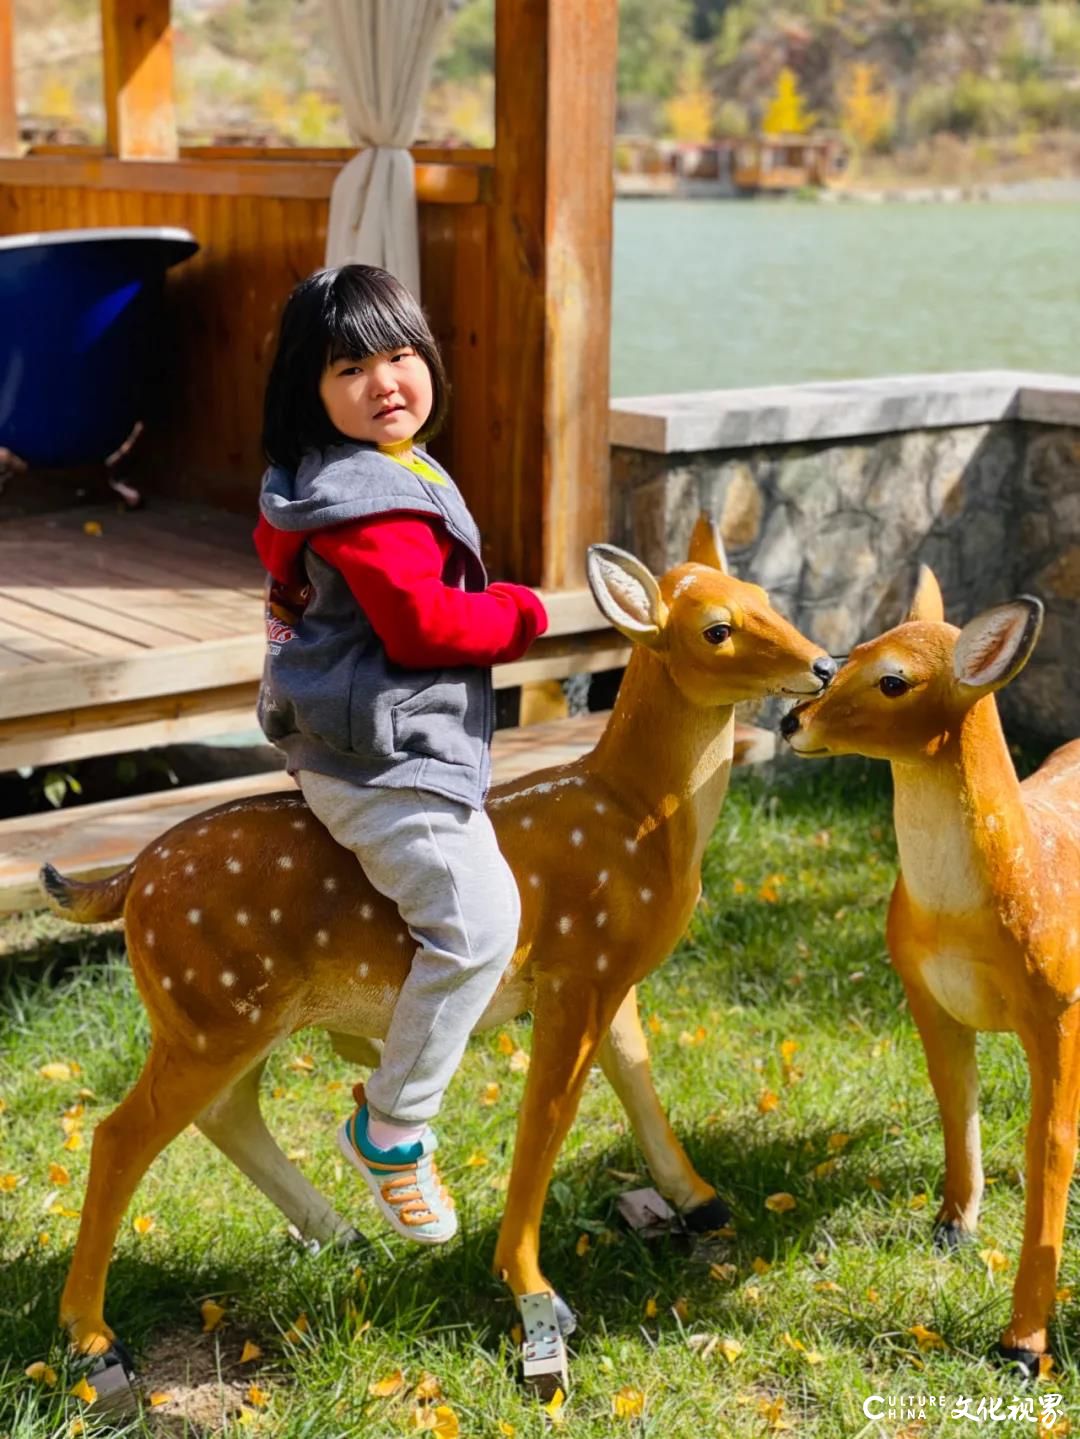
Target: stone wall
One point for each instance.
(835, 528)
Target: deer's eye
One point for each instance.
(717, 634)
(892, 686)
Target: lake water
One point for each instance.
(715, 294)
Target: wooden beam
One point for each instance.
(140, 117)
(554, 140)
(9, 124)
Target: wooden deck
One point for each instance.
(124, 629)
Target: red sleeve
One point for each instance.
(279, 551)
(394, 566)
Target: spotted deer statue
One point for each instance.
(984, 924)
(248, 922)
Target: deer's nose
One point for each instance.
(824, 668)
(789, 724)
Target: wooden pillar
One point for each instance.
(140, 118)
(554, 140)
(9, 126)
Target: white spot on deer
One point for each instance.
(526, 821)
(255, 1016)
(548, 785)
(400, 937)
(566, 924)
(556, 985)
(992, 822)
(329, 884)
(362, 969)
(285, 861)
(227, 978)
(242, 916)
(534, 880)
(233, 865)
(601, 919)
(203, 829)
(601, 962)
(577, 838)
(164, 853)
(366, 911)
(299, 824)
(646, 895)
(631, 845)
(200, 1041)
(166, 982)
(600, 807)
(189, 868)
(267, 963)
(235, 833)
(322, 937)
(602, 877)
(149, 938)
(148, 889)
(189, 975)
(194, 916)
(275, 916)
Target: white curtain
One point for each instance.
(383, 52)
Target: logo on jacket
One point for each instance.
(285, 605)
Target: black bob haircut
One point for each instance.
(346, 313)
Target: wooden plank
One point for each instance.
(285, 179)
(140, 117)
(80, 606)
(93, 840)
(9, 123)
(554, 124)
(35, 621)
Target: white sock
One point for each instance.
(386, 1136)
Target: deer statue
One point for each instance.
(248, 922)
(984, 923)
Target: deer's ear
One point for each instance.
(627, 594)
(926, 602)
(994, 647)
(707, 544)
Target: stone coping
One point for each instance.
(841, 409)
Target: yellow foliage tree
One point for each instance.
(690, 113)
(787, 113)
(57, 100)
(867, 111)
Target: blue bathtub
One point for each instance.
(80, 332)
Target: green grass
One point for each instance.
(768, 960)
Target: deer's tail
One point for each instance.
(86, 901)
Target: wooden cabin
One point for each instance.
(774, 164)
(121, 630)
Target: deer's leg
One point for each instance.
(172, 1089)
(234, 1122)
(624, 1058)
(950, 1058)
(568, 1024)
(1054, 1062)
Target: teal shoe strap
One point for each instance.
(399, 1154)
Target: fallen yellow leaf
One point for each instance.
(76, 1427)
(554, 1405)
(690, 1041)
(84, 1391)
(926, 1338)
(304, 1063)
(792, 1343)
(92, 528)
(300, 1325)
(506, 1429)
(519, 1061)
(752, 1294)
(73, 1142)
(725, 1273)
(212, 1315)
(650, 1308)
(160, 1396)
(250, 1352)
(257, 1397)
(873, 1296)
(780, 1203)
(440, 1420)
(767, 1101)
(828, 1286)
(505, 1043)
(390, 1384)
(839, 1141)
(761, 1266)
(994, 1260)
(873, 1181)
(41, 1373)
(730, 1349)
(143, 1223)
(788, 1050)
(64, 1211)
(58, 1175)
(10, 1182)
(1046, 1367)
(489, 1094)
(824, 1169)
(43, 1237)
(627, 1403)
(918, 1201)
(57, 1069)
(427, 1388)
(1063, 1296)
(476, 1160)
(681, 1310)
(581, 1248)
(772, 1411)
(656, 1024)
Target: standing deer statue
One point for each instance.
(248, 922)
(984, 923)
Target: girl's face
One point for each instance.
(381, 399)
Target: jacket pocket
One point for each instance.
(436, 722)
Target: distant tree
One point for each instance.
(654, 45)
(867, 109)
(690, 113)
(787, 113)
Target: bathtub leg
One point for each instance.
(128, 493)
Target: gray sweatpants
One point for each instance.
(440, 863)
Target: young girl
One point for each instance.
(382, 633)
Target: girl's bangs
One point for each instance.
(357, 331)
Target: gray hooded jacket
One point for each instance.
(330, 697)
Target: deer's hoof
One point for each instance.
(1025, 1362)
(565, 1317)
(949, 1235)
(713, 1214)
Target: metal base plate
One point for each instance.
(543, 1351)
